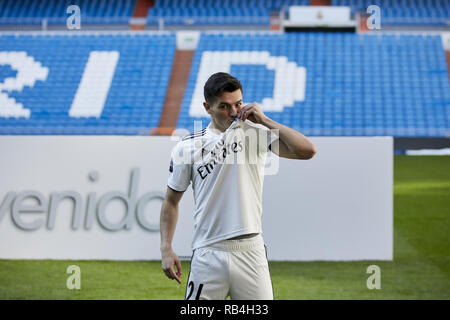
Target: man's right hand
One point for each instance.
(169, 261)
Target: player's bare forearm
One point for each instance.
(168, 222)
(292, 144)
(169, 217)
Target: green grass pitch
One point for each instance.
(420, 270)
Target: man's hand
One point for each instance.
(252, 112)
(169, 261)
(291, 143)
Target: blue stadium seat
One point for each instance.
(404, 12)
(394, 85)
(92, 11)
(133, 102)
(254, 12)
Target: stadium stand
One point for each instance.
(331, 84)
(356, 85)
(404, 12)
(124, 75)
(217, 11)
(54, 11)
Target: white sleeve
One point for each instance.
(271, 137)
(265, 136)
(180, 168)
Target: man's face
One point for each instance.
(225, 109)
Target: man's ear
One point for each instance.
(207, 107)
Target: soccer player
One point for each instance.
(225, 163)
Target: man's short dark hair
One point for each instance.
(217, 84)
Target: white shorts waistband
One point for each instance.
(238, 244)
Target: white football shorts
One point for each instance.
(235, 268)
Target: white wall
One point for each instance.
(319, 15)
(337, 206)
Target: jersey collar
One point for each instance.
(214, 132)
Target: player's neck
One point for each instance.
(216, 128)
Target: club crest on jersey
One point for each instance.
(171, 165)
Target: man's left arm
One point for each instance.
(290, 144)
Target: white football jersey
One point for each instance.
(227, 174)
